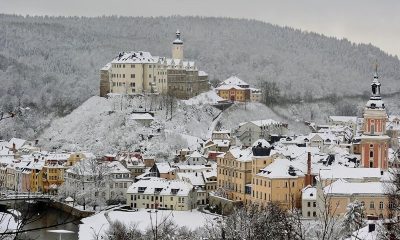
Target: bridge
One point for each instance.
(24, 197)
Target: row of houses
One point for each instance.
(345, 160)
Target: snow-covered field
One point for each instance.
(98, 223)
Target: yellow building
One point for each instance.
(237, 168)
(370, 194)
(156, 193)
(53, 177)
(279, 182)
(75, 157)
(233, 93)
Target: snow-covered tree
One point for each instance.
(353, 219)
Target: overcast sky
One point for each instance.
(366, 21)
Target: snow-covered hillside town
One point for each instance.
(346, 161)
(196, 120)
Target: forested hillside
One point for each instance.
(51, 64)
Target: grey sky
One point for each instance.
(366, 21)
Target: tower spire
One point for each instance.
(375, 101)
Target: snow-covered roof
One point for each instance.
(194, 178)
(261, 143)
(375, 104)
(283, 168)
(221, 142)
(141, 116)
(233, 80)
(58, 156)
(243, 155)
(227, 87)
(212, 173)
(135, 57)
(196, 154)
(352, 119)
(164, 167)
(160, 186)
(309, 193)
(17, 141)
(106, 67)
(337, 172)
(349, 188)
(117, 167)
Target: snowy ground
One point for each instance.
(98, 223)
(99, 125)
(210, 97)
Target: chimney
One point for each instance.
(14, 148)
(309, 177)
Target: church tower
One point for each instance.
(177, 47)
(374, 141)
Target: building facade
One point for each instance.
(374, 141)
(140, 72)
(154, 193)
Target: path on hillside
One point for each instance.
(213, 124)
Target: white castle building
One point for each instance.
(140, 72)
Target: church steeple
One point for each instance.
(177, 46)
(375, 101)
(374, 140)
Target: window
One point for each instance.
(123, 75)
(132, 75)
(380, 205)
(371, 154)
(149, 75)
(314, 214)
(308, 204)
(371, 205)
(314, 204)
(363, 203)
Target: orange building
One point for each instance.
(374, 141)
(233, 93)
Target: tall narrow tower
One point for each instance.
(374, 141)
(177, 47)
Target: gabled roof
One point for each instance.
(281, 168)
(233, 80)
(135, 57)
(151, 185)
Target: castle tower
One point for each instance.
(374, 141)
(177, 47)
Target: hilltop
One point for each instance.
(51, 64)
